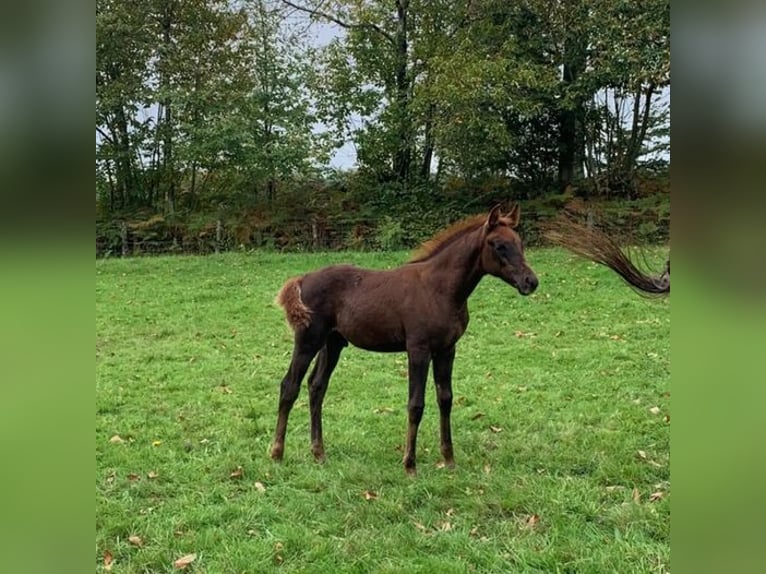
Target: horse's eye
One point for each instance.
(501, 249)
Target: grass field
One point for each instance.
(560, 422)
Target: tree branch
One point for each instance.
(106, 136)
(339, 22)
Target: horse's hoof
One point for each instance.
(411, 471)
(319, 458)
(277, 452)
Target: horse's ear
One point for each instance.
(514, 215)
(493, 217)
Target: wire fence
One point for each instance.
(157, 236)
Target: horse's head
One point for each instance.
(502, 253)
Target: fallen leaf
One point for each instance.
(259, 487)
(655, 410)
(441, 464)
(474, 531)
(116, 439)
(108, 560)
(444, 526)
(156, 442)
(477, 416)
(636, 496)
(532, 520)
(136, 541)
(613, 488)
(667, 418)
(495, 429)
(237, 473)
(151, 474)
(184, 561)
(487, 469)
(225, 390)
(450, 512)
(133, 476)
(521, 389)
(370, 495)
(384, 410)
(641, 454)
(655, 496)
(420, 527)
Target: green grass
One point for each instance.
(189, 355)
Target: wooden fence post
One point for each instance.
(124, 238)
(218, 235)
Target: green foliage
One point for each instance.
(211, 110)
(189, 354)
(390, 235)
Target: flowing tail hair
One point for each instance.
(600, 248)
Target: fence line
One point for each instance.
(317, 234)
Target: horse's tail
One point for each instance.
(601, 248)
(289, 298)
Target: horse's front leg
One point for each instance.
(418, 358)
(443, 379)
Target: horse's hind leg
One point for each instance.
(317, 384)
(303, 352)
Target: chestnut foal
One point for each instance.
(420, 307)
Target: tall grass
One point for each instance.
(560, 423)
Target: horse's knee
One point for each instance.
(415, 413)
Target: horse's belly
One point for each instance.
(373, 335)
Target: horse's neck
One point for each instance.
(456, 269)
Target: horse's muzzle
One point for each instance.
(528, 284)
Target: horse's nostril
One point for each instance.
(532, 283)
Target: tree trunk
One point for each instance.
(403, 154)
(428, 145)
(571, 119)
(167, 135)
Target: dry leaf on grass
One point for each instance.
(132, 476)
(477, 416)
(655, 410)
(495, 429)
(259, 486)
(156, 442)
(116, 439)
(108, 559)
(370, 495)
(237, 473)
(641, 454)
(655, 496)
(136, 541)
(636, 496)
(532, 520)
(420, 527)
(151, 474)
(184, 561)
(444, 526)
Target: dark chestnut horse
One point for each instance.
(420, 307)
(599, 247)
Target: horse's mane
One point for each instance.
(438, 242)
